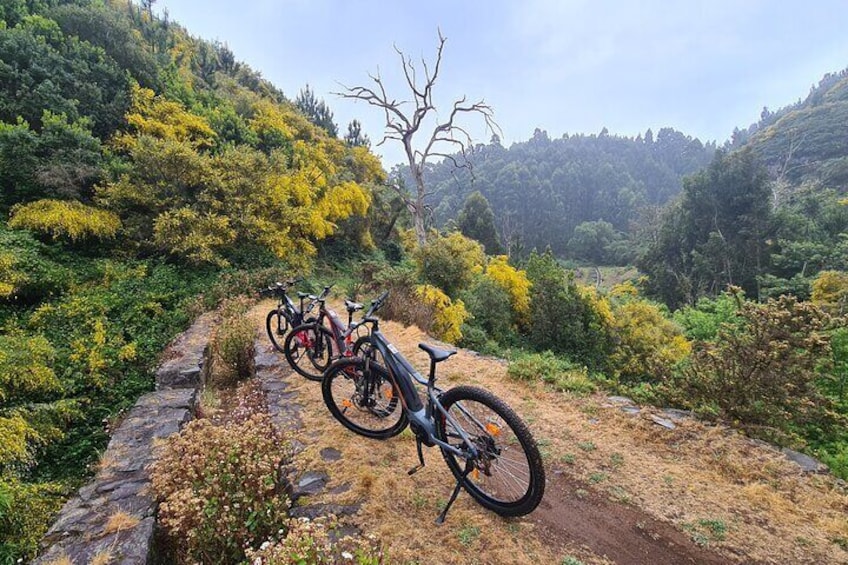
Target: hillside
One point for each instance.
(805, 143)
(145, 174)
(540, 190)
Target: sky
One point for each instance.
(563, 66)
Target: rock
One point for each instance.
(808, 464)
(314, 511)
(330, 454)
(678, 415)
(341, 489)
(619, 400)
(310, 483)
(632, 410)
(663, 422)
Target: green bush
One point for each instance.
(219, 488)
(449, 262)
(703, 321)
(764, 374)
(561, 319)
(25, 513)
(489, 306)
(560, 373)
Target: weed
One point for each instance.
(596, 478)
(616, 460)
(619, 494)
(668, 480)
(468, 534)
(587, 445)
(704, 531)
(581, 493)
(419, 500)
(568, 458)
(569, 560)
(544, 445)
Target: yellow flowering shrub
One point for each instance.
(65, 219)
(514, 282)
(161, 118)
(450, 262)
(830, 289)
(648, 344)
(448, 315)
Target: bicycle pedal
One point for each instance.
(414, 470)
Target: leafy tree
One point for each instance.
(592, 241)
(716, 237)
(561, 319)
(477, 221)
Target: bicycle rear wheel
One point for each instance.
(309, 350)
(507, 476)
(276, 326)
(360, 394)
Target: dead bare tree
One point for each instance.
(447, 140)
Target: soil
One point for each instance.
(623, 534)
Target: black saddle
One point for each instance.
(435, 353)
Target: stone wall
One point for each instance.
(113, 518)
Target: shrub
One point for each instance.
(233, 342)
(25, 514)
(703, 321)
(310, 542)
(515, 283)
(62, 219)
(219, 488)
(488, 305)
(449, 262)
(560, 373)
(561, 319)
(447, 316)
(647, 344)
(763, 375)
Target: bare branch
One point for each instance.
(402, 123)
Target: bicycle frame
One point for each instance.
(421, 416)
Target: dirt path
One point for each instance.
(620, 488)
(623, 534)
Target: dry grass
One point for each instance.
(102, 558)
(120, 521)
(773, 513)
(63, 560)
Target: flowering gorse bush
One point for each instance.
(309, 542)
(219, 488)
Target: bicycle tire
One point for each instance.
(273, 327)
(303, 359)
(351, 388)
(363, 347)
(494, 476)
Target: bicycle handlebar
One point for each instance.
(279, 287)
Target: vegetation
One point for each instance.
(146, 175)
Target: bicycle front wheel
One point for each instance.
(309, 350)
(507, 475)
(360, 394)
(276, 326)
